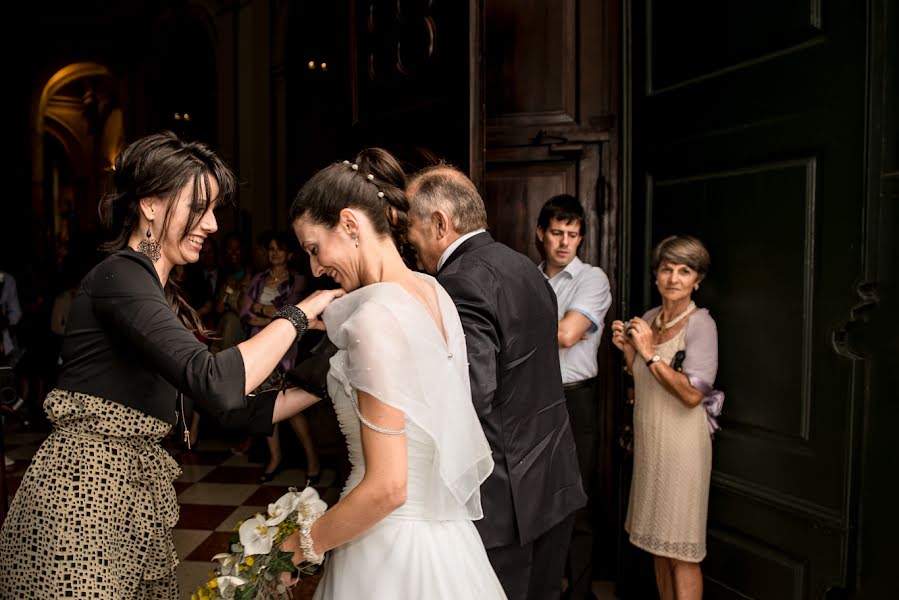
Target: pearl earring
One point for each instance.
(356, 239)
(696, 286)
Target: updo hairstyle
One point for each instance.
(373, 183)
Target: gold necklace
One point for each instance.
(663, 326)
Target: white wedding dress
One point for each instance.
(391, 348)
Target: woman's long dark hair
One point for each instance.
(160, 166)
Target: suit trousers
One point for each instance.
(534, 571)
(581, 401)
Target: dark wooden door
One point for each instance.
(404, 75)
(552, 99)
(746, 129)
(416, 80)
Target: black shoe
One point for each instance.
(268, 476)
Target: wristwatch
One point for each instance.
(653, 359)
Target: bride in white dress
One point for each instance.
(399, 382)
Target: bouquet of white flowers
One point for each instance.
(252, 569)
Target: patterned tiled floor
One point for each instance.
(217, 489)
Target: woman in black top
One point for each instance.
(94, 512)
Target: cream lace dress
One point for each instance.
(669, 496)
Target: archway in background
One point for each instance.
(77, 131)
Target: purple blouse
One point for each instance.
(289, 292)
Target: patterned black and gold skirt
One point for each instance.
(94, 513)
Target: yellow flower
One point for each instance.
(213, 584)
(250, 561)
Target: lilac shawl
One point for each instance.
(701, 361)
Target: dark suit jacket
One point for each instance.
(508, 313)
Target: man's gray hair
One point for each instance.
(446, 188)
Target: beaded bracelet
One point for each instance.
(306, 543)
(295, 315)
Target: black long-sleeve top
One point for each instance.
(124, 342)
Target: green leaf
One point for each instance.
(245, 592)
(280, 562)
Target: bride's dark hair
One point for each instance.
(374, 182)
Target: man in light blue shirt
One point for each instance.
(584, 297)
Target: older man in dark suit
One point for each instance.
(508, 313)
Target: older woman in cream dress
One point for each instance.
(672, 352)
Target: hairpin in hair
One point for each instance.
(371, 179)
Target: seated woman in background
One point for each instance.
(672, 353)
(268, 291)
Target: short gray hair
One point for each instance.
(682, 250)
(446, 188)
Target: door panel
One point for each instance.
(416, 81)
(709, 37)
(520, 180)
(747, 133)
(540, 35)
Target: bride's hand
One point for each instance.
(315, 304)
(292, 544)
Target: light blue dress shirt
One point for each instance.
(581, 288)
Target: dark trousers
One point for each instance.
(581, 401)
(534, 571)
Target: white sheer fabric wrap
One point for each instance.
(394, 351)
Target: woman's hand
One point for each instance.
(619, 338)
(640, 335)
(259, 321)
(316, 303)
(292, 544)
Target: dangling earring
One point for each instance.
(695, 286)
(149, 247)
(356, 239)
